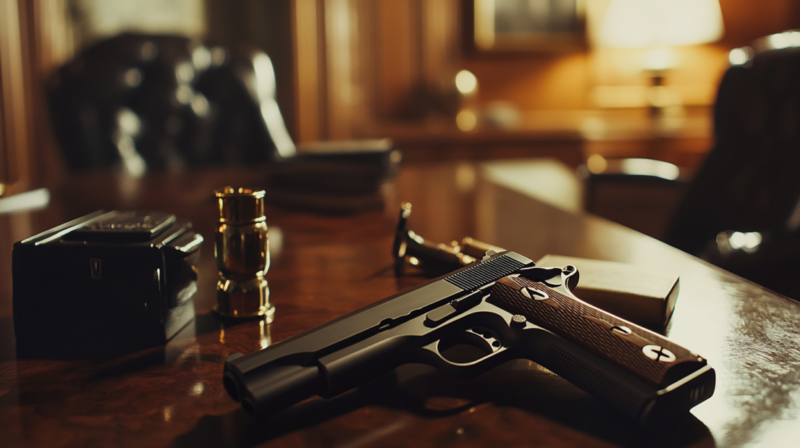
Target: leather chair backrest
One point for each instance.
(750, 180)
(165, 102)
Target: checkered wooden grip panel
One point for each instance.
(592, 329)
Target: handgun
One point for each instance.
(500, 308)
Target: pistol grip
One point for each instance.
(599, 352)
(648, 356)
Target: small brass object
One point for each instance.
(241, 248)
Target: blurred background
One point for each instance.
(585, 82)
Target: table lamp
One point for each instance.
(658, 26)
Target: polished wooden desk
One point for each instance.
(325, 266)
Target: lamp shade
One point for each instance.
(653, 23)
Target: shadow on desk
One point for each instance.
(517, 388)
(7, 351)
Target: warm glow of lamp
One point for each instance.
(660, 23)
(657, 26)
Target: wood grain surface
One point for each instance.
(324, 266)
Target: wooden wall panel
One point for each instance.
(398, 55)
(52, 43)
(370, 60)
(327, 41)
(440, 40)
(35, 37)
(14, 110)
(341, 63)
(308, 40)
(365, 61)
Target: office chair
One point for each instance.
(168, 103)
(639, 193)
(741, 209)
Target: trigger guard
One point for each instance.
(473, 340)
(433, 357)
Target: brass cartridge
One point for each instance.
(241, 249)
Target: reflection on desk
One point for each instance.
(331, 265)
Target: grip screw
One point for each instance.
(621, 329)
(535, 294)
(658, 353)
